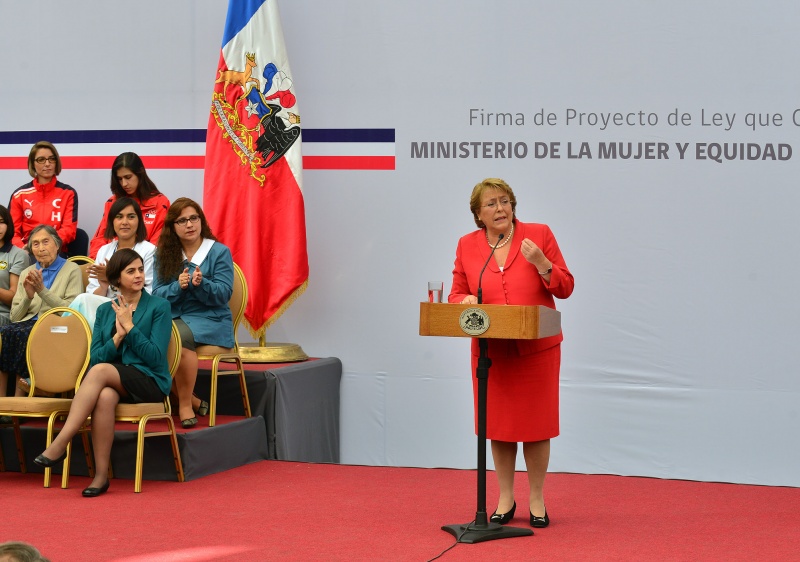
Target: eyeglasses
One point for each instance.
(493, 204)
(190, 219)
(43, 159)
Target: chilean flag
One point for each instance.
(252, 189)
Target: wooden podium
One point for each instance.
(507, 322)
(486, 321)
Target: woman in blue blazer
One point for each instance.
(128, 363)
(194, 272)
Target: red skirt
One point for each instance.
(522, 397)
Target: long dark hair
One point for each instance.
(131, 160)
(116, 208)
(9, 222)
(169, 253)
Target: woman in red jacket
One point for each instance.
(129, 179)
(522, 401)
(45, 200)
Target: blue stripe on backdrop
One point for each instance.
(181, 135)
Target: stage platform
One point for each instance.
(295, 411)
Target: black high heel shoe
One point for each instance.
(503, 518)
(540, 522)
(42, 460)
(94, 492)
(202, 409)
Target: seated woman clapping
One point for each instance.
(126, 229)
(128, 363)
(52, 281)
(194, 272)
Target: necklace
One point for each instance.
(506, 241)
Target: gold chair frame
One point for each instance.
(146, 411)
(86, 263)
(60, 370)
(217, 355)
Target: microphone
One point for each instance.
(480, 277)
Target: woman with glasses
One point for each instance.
(45, 200)
(194, 272)
(522, 402)
(129, 179)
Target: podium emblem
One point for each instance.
(474, 321)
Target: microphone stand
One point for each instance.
(481, 529)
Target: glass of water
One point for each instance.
(435, 289)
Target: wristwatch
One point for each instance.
(549, 269)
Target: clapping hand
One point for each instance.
(98, 270)
(183, 278)
(197, 277)
(124, 314)
(33, 283)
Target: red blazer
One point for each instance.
(518, 283)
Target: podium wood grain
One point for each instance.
(505, 321)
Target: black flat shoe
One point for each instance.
(503, 518)
(42, 460)
(94, 492)
(540, 522)
(202, 410)
(188, 424)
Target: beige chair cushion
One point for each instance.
(135, 410)
(36, 404)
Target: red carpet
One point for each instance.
(275, 510)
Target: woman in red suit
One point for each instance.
(527, 269)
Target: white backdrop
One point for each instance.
(679, 357)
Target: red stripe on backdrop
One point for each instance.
(13, 163)
(198, 162)
(105, 162)
(348, 162)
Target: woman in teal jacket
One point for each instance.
(128, 363)
(194, 272)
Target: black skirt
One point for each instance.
(15, 342)
(140, 387)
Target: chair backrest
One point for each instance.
(79, 246)
(85, 262)
(58, 351)
(238, 301)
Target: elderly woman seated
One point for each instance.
(50, 282)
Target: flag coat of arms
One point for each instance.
(252, 187)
